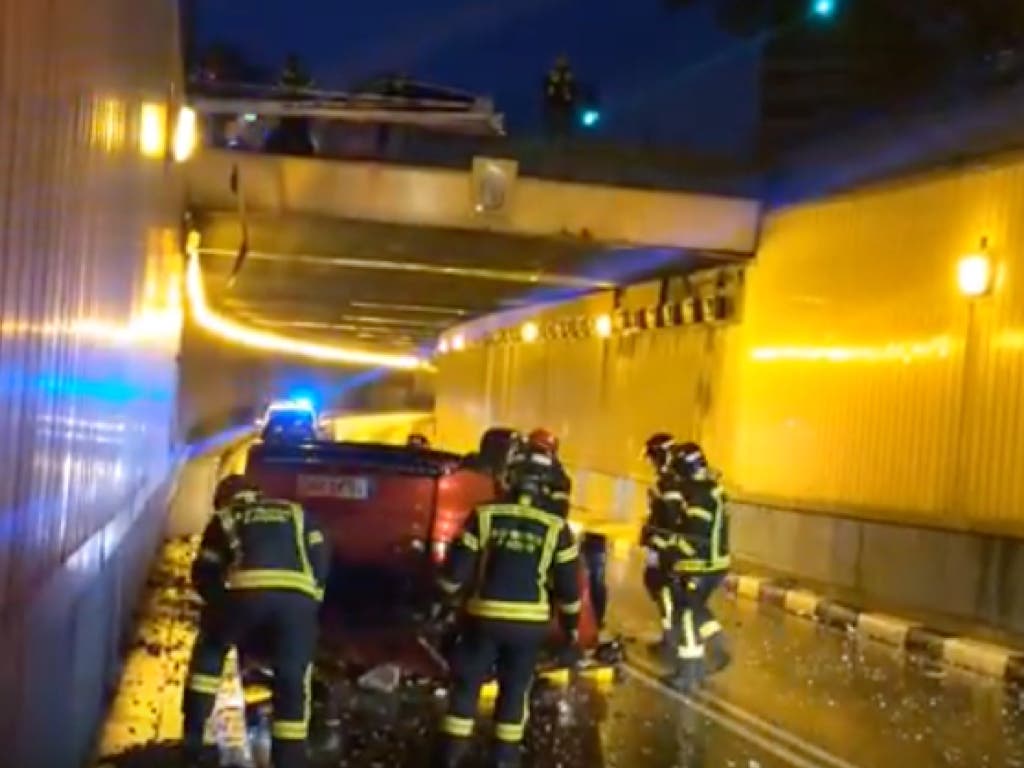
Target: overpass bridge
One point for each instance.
(365, 253)
(852, 363)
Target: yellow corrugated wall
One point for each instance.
(602, 397)
(860, 381)
(866, 382)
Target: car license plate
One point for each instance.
(328, 486)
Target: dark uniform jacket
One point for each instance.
(260, 543)
(699, 543)
(665, 508)
(514, 560)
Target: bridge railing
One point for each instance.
(434, 126)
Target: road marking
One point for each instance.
(779, 733)
(742, 723)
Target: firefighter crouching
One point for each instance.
(664, 510)
(695, 557)
(504, 561)
(261, 569)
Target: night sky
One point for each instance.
(664, 77)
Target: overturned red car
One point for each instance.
(390, 514)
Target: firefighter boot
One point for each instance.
(688, 675)
(717, 650)
(506, 756)
(451, 753)
(665, 648)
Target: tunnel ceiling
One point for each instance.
(397, 287)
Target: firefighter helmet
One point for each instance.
(656, 449)
(230, 487)
(544, 441)
(688, 460)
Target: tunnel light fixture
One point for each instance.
(458, 342)
(186, 134)
(442, 347)
(153, 130)
(229, 330)
(603, 326)
(529, 332)
(974, 273)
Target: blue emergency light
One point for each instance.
(303, 404)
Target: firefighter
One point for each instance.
(260, 571)
(550, 485)
(503, 561)
(664, 510)
(696, 558)
(593, 547)
(541, 448)
(560, 98)
(497, 446)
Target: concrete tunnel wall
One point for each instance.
(867, 416)
(89, 325)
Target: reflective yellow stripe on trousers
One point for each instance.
(275, 579)
(499, 609)
(296, 730)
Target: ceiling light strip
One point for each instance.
(478, 273)
(271, 342)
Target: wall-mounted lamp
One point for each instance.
(153, 129)
(186, 134)
(459, 342)
(603, 326)
(974, 272)
(442, 347)
(530, 332)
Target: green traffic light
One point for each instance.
(824, 8)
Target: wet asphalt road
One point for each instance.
(856, 703)
(796, 695)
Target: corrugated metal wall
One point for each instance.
(859, 382)
(603, 398)
(868, 384)
(89, 328)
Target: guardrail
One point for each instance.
(449, 110)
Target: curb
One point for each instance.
(912, 638)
